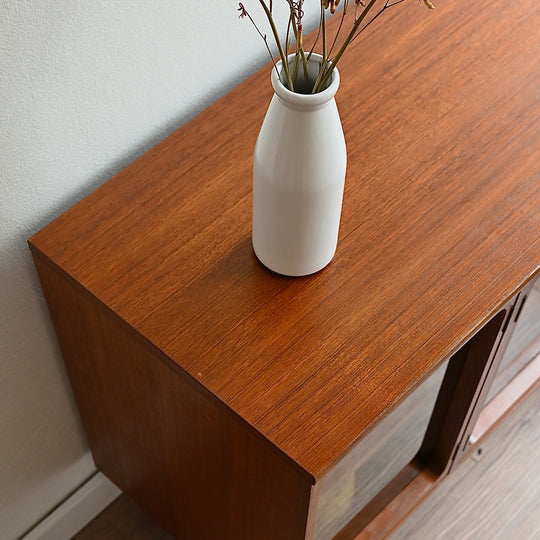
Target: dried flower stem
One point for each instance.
(348, 39)
(324, 61)
(296, 25)
(343, 13)
(300, 41)
(284, 61)
(287, 36)
(245, 13)
(323, 25)
(295, 29)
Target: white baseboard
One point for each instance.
(76, 511)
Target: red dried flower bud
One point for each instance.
(242, 10)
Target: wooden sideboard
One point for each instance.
(234, 403)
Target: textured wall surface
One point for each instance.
(85, 88)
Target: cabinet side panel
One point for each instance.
(183, 456)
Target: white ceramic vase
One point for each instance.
(298, 177)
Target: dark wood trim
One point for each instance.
(312, 512)
(400, 507)
(521, 386)
(459, 395)
(526, 354)
(407, 475)
(513, 308)
(471, 371)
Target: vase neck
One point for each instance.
(304, 101)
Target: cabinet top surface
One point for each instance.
(440, 226)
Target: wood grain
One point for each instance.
(504, 504)
(196, 468)
(378, 506)
(398, 508)
(440, 228)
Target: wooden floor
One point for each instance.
(492, 495)
(123, 520)
(495, 495)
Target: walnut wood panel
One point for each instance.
(440, 228)
(480, 486)
(184, 457)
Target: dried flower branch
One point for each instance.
(244, 13)
(295, 30)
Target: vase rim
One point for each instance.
(308, 100)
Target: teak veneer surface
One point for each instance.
(440, 226)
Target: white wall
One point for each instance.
(85, 88)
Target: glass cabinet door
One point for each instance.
(376, 459)
(436, 426)
(524, 344)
